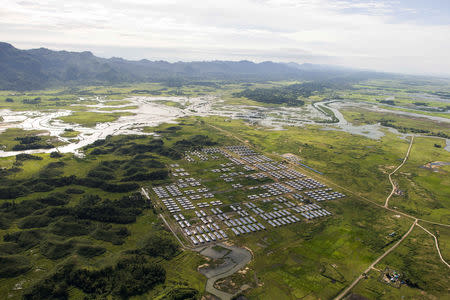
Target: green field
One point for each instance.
(90, 119)
(417, 260)
(57, 240)
(404, 124)
(48, 235)
(19, 139)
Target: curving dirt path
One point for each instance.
(393, 172)
(437, 244)
(372, 266)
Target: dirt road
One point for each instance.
(393, 172)
(351, 286)
(437, 245)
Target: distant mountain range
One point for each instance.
(44, 68)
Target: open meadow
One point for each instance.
(75, 220)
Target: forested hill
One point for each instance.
(43, 68)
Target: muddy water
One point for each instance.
(374, 131)
(151, 112)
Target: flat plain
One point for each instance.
(64, 214)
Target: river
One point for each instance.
(151, 111)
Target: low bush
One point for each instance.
(9, 248)
(56, 250)
(183, 293)
(115, 236)
(69, 226)
(160, 244)
(14, 265)
(34, 222)
(25, 239)
(74, 191)
(90, 251)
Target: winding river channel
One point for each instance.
(152, 111)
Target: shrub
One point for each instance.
(21, 209)
(74, 191)
(42, 187)
(160, 244)
(12, 266)
(115, 236)
(129, 277)
(183, 294)
(5, 222)
(69, 226)
(101, 175)
(56, 154)
(34, 222)
(25, 239)
(55, 199)
(9, 248)
(25, 156)
(156, 175)
(56, 250)
(13, 192)
(90, 251)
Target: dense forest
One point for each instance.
(290, 95)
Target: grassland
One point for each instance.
(421, 96)
(404, 124)
(13, 138)
(426, 192)
(317, 260)
(91, 119)
(70, 133)
(118, 108)
(306, 260)
(417, 260)
(42, 260)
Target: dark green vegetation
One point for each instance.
(90, 119)
(83, 221)
(76, 227)
(105, 176)
(318, 259)
(131, 275)
(14, 139)
(404, 124)
(361, 165)
(328, 112)
(417, 262)
(424, 96)
(291, 95)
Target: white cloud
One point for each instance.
(358, 34)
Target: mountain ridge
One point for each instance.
(44, 68)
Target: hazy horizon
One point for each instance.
(408, 37)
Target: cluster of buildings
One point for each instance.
(284, 197)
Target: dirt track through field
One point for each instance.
(355, 282)
(394, 188)
(437, 245)
(385, 206)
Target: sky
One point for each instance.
(404, 36)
